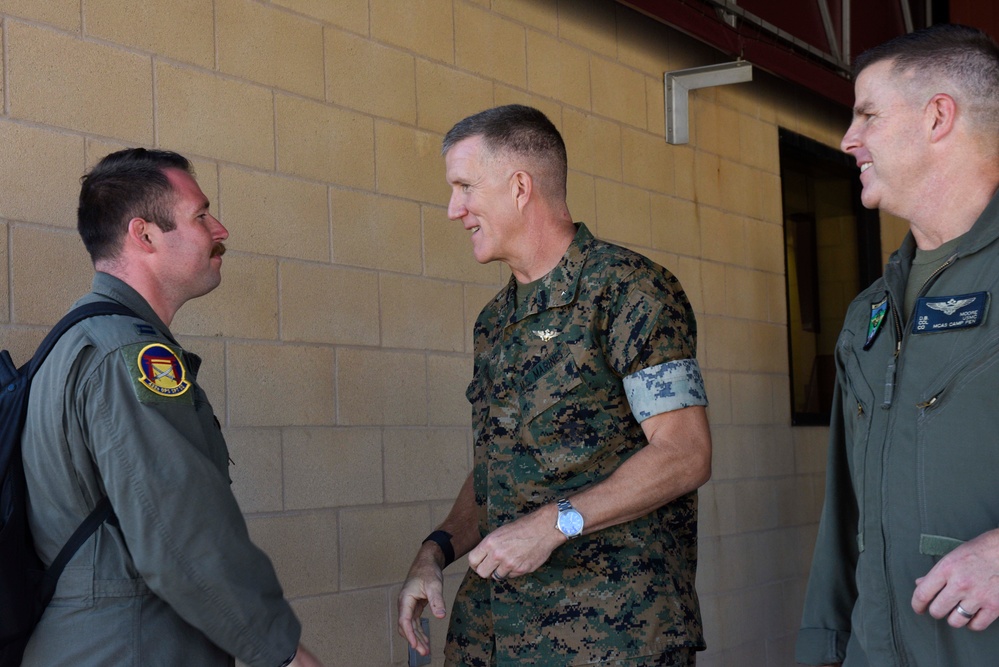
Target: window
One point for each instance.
(832, 250)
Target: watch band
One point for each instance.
(442, 538)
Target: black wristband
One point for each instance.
(442, 538)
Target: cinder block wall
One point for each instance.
(338, 348)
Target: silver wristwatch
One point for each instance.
(570, 522)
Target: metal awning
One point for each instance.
(809, 42)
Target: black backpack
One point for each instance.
(26, 587)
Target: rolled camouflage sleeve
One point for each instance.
(665, 387)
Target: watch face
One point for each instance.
(570, 523)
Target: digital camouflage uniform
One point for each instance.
(550, 400)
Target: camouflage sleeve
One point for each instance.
(651, 341)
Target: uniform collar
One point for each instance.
(557, 288)
(115, 289)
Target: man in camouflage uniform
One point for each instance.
(579, 518)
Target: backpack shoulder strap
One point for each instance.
(67, 322)
(103, 510)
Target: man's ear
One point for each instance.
(522, 188)
(141, 234)
(941, 112)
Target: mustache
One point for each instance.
(218, 249)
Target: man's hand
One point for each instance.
(968, 576)
(519, 547)
(424, 585)
(304, 658)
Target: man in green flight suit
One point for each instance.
(906, 564)
(591, 437)
(115, 410)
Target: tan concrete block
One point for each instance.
(49, 270)
(490, 45)
(643, 44)
(558, 70)
(256, 468)
(349, 14)
(43, 168)
(772, 342)
(476, 299)
(227, 311)
(408, 164)
(747, 293)
(724, 236)
(723, 342)
(420, 313)
(448, 251)
(619, 92)
(447, 380)
(740, 189)
(253, 44)
(648, 161)
(758, 143)
(376, 232)
(280, 385)
(372, 542)
(332, 467)
(719, 389)
(425, 27)
(370, 77)
(425, 464)
(178, 29)
(274, 215)
(713, 286)
(675, 226)
(541, 14)
(778, 299)
(62, 13)
(363, 640)
(655, 106)
(589, 24)
(303, 548)
(707, 179)
(324, 143)
(714, 128)
(445, 95)
(381, 387)
(211, 375)
(581, 196)
(745, 505)
(755, 399)
(765, 246)
(683, 172)
(593, 144)
(194, 113)
(623, 213)
(111, 89)
(328, 304)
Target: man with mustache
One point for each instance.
(116, 411)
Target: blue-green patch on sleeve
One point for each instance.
(158, 373)
(665, 387)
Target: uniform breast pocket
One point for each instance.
(563, 420)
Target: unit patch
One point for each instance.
(943, 313)
(161, 371)
(878, 312)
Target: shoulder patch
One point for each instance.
(158, 373)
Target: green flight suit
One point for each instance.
(116, 410)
